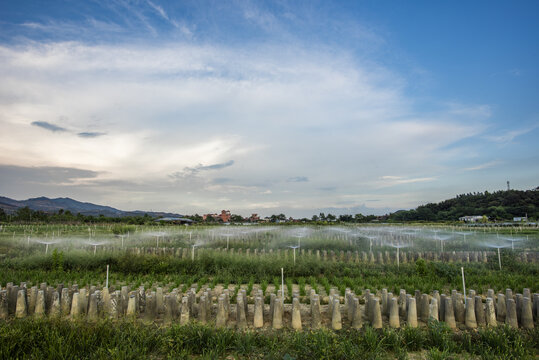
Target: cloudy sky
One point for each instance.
(267, 107)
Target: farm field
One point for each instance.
(278, 291)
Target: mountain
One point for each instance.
(85, 208)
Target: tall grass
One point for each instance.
(46, 339)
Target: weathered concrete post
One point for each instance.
(394, 314)
(424, 308)
(272, 304)
(202, 313)
(315, 312)
(21, 308)
(32, 296)
(441, 308)
(40, 304)
(502, 308)
(131, 310)
(114, 305)
(336, 321)
(92, 308)
(296, 314)
(149, 311)
(449, 315)
(376, 314)
(241, 320)
(65, 302)
(278, 313)
(480, 312)
(526, 315)
(221, 319)
(75, 306)
(258, 320)
(402, 302)
(357, 320)
(159, 300)
(83, 301)
(185, 311)
(433, 309)
(55, 305)
(411, 319)
(511, 316)
(490, 313)
(471, 321)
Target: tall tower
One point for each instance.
(508, 188)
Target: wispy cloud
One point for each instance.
(509, 136)
(390, 180)
(90, 134)
(48, 126)
(159, 10)
(298, 179)
(189, 171)
(483, 166)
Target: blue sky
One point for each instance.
(267, 106)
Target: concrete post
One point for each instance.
(526, 315)
(357, 317)
(394, 314)
(490, 313)
(21, 308)
(511, 316)
(449, 315)
(83, 301)
(411, 318)
(185, 311)
(241, 319)
(221, 319)
(480, 312)
(471, 321)
(278, 313)
(502, 308)
(55, 305)
(75, 306)
(336, 321)
(424, 308)
(315, 312)
(433, 309)
(40, 304)
(402, 302)
(296, 314)
(92, 308)
(131, 310)
(258, 320)
(376, 314)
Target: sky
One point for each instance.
(267, 107)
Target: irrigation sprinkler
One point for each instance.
(398, 247)
(227, 239)
(498, 247)
(95, 245)
(294, 248)
(512, 240)
(47, 243)
(107, 281)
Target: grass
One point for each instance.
(47, 339)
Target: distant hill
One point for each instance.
(85, 208)
(499, 205)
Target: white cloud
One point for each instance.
(277, 111)
(483, 166)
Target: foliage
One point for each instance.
(64, 339)
(499, 205)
